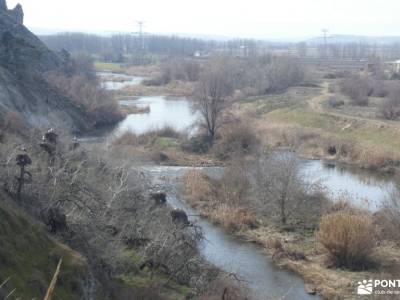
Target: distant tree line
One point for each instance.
(360, 50)
(126, 47)
(118, 48)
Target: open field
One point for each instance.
(109, 67)
(300, 117)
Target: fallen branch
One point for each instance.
(53, 282)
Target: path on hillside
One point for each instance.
(316, 104)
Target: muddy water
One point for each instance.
(263, 279)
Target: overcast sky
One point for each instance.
(275, 19)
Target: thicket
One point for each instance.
(81, 85)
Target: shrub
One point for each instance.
(335, 102)
(390, 107)
(227, 287)
(357, 88)
(175, 69)
(235, 139)
(388, 218)
(13, 123)
(87, 93)
(152, 82)
(199, 144)
(348, 238)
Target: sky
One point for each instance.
(264, 19)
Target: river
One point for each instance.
(265, 281)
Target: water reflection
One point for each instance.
(364, 188)
(163, 112)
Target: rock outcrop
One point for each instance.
(16, 13)
(3, 5)
(24, 60)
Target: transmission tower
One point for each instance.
(141, 34)
(325, 37)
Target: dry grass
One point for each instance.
(144, 71)
(198, 189)
(232, 219)
(174, 88)
(203, 195)
(348, 238)
(129, 138)
(315, 144)
(133, 109)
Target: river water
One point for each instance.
(248, 261)
(163, 111)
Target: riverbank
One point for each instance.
(291, 119)
(294, 248)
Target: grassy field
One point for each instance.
(291, 118)
(108, 67)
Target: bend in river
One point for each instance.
(248, 261)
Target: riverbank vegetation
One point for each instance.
(81, 85)
(52, 196)
(261, 197)
(331, 244)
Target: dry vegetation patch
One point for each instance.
(348, 238)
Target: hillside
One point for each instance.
(28, 258)
(24, 60)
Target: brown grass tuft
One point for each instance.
(198, 188)
(233, 218)
(129, 138)
(348, 238)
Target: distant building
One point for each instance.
(395, 65)
(201, 54)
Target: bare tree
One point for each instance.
(213, 94)
(279, 186)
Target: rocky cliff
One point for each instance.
(24, 60)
